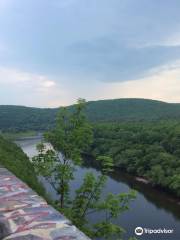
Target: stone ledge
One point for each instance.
(24, 215)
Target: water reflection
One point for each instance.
(151, 209)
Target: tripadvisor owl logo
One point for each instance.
(139, 231)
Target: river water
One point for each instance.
(152, 209)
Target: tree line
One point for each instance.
(19, 118)
(150, 150)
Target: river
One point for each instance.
(151, 209)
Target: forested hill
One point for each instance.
(18, 118)
(127, 109)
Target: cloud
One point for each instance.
(109, 40)
(162, 84)
(25, 88)
(48, 84)
(172, 40)
(31, 89)
(109, 60)
(56, 51)
(15, 76)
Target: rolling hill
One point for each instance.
(19, 118)
(131, 109)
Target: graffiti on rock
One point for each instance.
(25, 215)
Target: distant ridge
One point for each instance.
(135, 109)
(19, 118)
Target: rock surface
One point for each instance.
(24, 215)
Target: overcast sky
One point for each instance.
(55, 51)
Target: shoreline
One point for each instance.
(138, 180)
(143, 180)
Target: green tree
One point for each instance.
(175, 183)
(69, 139)
(89, 199)
(146, 149)
(71, 136)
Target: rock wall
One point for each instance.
(24, 215)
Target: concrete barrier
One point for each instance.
(24, 215)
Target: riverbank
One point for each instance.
(146, 150)
(143, 180)
(12, 136)
(151, 207)
(172, 197)
(133, 180)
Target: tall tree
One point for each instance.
(71, 136)
(69, 139)
(89, 199)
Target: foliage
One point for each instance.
(18, 135)
(15, 119)
(144, 149)
(18, 118)
(71, 136)
(89, 199)
(131, 109)
(69, 139)
(13, 158)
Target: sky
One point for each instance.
(53, 52)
